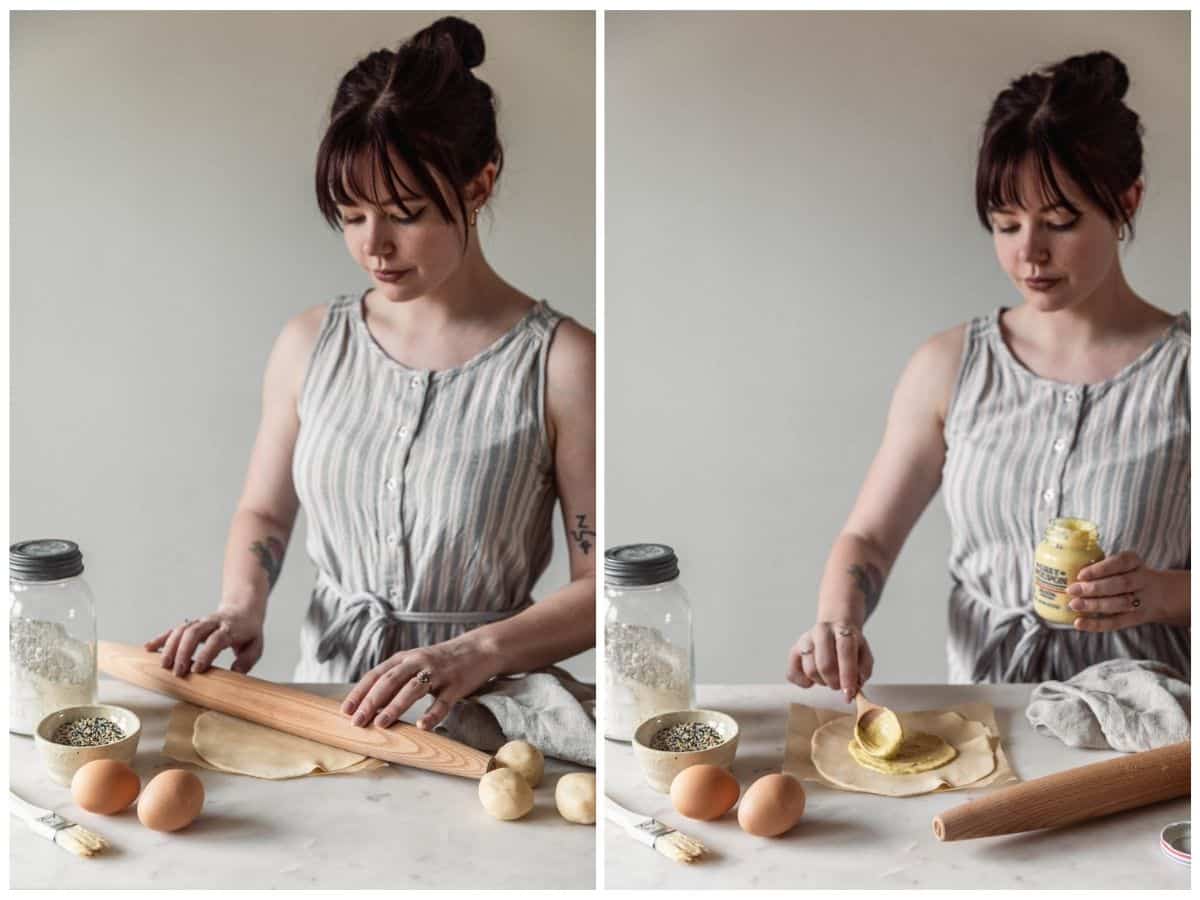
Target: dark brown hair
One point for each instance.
(1072, 114)
(421, 103)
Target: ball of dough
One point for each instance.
(505, 794)
(523, 758)
(575, 797)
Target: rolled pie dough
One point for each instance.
(225, 743)
(974, 760)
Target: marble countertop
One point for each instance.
(394, 827)
(855, 840)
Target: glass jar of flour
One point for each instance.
(648, 658)
(52, 632)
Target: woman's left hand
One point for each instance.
(1121, 587)
(447, 671)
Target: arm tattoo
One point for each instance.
(869, 580)
(270, 557)
(581, 533)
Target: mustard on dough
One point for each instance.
(920, 752)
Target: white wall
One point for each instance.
(164, 227)
(790, 212)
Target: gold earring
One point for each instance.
(474, 216)
(1121, 233)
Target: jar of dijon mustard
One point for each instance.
(1067, 546)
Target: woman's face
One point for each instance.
(1057, 258)
(409, 254)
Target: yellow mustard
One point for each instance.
(1068, 546)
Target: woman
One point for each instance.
(1075, 403)
(427, 426)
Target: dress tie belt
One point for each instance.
(1034, 645)
(372, 626)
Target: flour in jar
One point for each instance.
(47, 669)
(645, 675)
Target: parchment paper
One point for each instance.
(803, 721)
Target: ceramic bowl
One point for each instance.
(659, 767)
(62, 760)
(1176, 842)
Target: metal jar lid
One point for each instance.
(48, 559)
(639, 565)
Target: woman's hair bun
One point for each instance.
(1100, 72)
(455, 34)
(1072, 113)
(422, 106)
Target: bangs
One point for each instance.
(352, 149)
(998, 178)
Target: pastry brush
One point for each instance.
(666, 840)
(79, 840)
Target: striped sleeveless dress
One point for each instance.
(1021, 450)
(429, 495)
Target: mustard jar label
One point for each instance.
(1068, 546)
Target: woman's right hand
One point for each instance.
(239, 629)
(903, 478)
(835, 654)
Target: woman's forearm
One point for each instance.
(551, 630)
(853, 580)
(253, 559)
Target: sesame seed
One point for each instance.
(88, 732)
(686, 737)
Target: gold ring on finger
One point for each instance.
(845, 631)
(424, 677)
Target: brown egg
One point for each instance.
(772, 805)
(704, 792)
(171, 800)
(105, 786)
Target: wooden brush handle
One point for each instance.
(1086, 792)
(294, 711)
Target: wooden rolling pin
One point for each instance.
(1064, 798)
(294, 711)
